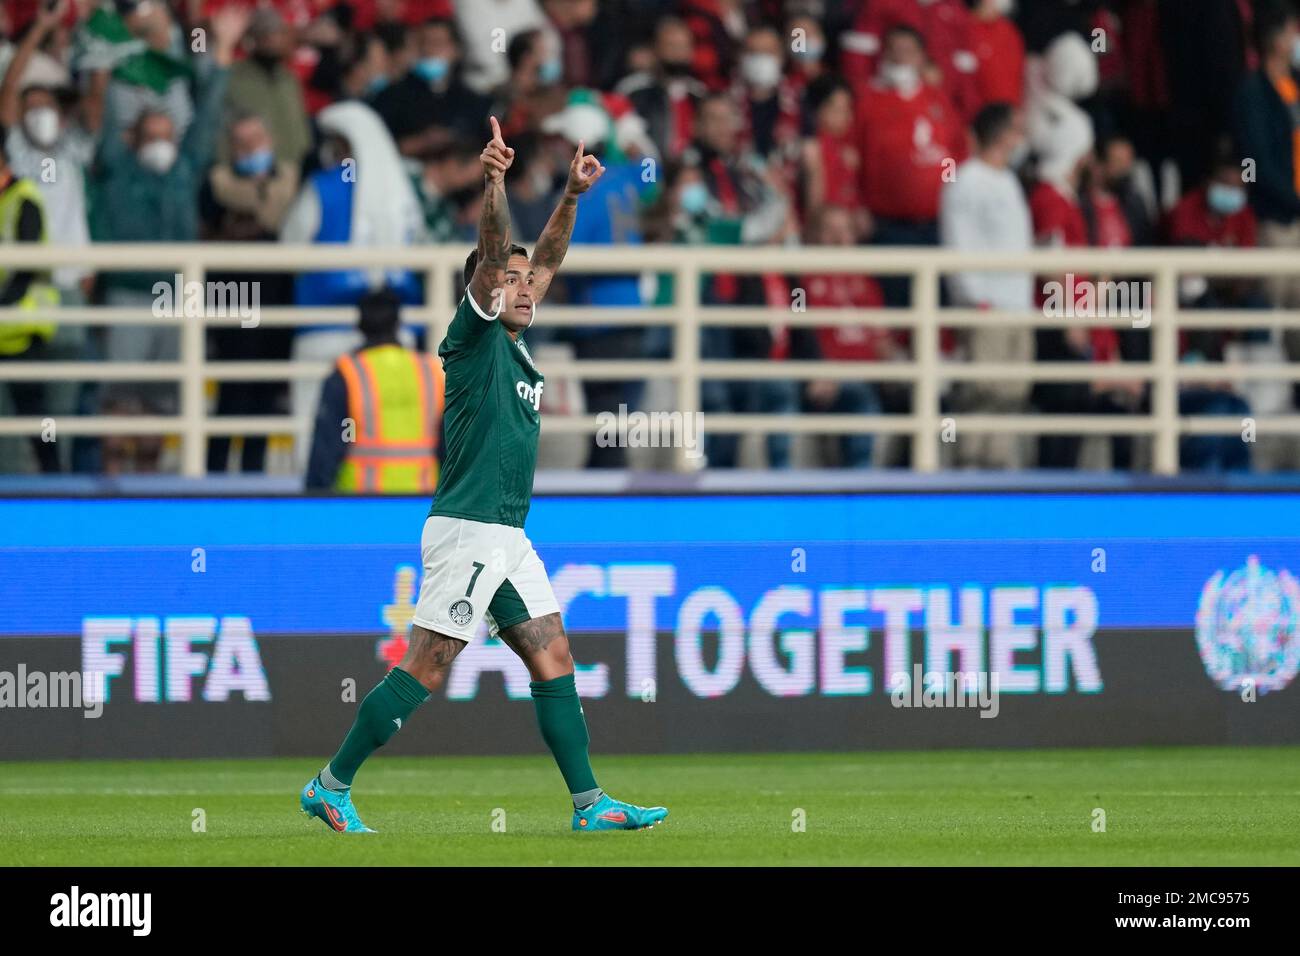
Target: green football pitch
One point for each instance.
(1175, 806)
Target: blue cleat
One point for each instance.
(610, 814)
(334, 808)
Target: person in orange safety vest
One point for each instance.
(379, 423)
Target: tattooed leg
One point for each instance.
(429, 656)
(542, 645)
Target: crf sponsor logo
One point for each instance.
(75, 908)
(529, 393)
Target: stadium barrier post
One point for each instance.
(438, 298)
(925, 394)
(194, 366)
(686, 357)
(1164, 352)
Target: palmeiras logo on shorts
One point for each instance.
(1248, 627)
(461, 612)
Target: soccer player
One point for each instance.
(477, 561)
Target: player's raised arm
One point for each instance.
(554, 240)
(494, 223)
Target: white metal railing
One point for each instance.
(926, 370)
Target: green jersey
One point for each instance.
(491, 419)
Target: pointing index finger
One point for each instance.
(496, 131)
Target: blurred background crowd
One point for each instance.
(972, 124)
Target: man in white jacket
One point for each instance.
(984, 210)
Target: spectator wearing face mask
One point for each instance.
(44, 135)
(768, 103)
(245, 199)
(431, 106)
(264, 84)
(533, 89)
(1217, 214)
(807, 65)
(944, 30)
(909, 134)
(148, 187)
(984, 210)
(667, 96)
(571, 21)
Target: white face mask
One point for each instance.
(761, 69)
(1005, 8)
(42, 125)
(902, 77)
(158, 155)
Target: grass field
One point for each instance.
(1188, 807)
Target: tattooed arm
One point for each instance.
(494, 223)
(554, 240)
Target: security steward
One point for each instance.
(379, 424)
(22, 219)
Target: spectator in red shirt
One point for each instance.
(834, 226)
(1217, 214)
(999, 53)
(830, 163)
(945, 29)
(910, 139)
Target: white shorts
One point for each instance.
(475, 571)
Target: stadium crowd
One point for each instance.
(984, 125)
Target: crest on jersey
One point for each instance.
(523, 350)
(461, 612)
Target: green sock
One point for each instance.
(559, 714)
(381, 715)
